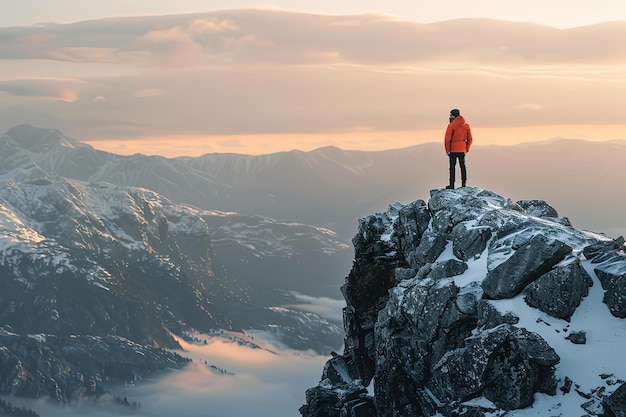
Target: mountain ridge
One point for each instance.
(99, 279)
(349, 184)
(471, 304)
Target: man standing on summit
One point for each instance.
(457, 143)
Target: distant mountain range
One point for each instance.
(330, 187)
(126, 269)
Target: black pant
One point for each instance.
(461, 157)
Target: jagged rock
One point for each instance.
(409, 348)
(431, 246)
(489, 317)
(505, 364)
(361, 407)
(578, 338)
(339, 370)
(468, 299)
(442, 222)
(560, 291)
(601, 248)
(469, 240)
(366, 288)
(567, 385)
(527, 263)
(537, 208)
(419, 324)
(605, 257)
(444, 269)
(321, 400)
(359, 342)
(616, 402)
(432, 326)
(404, 273)
(413, 220)
(65, 368)
(369, 237)
(338, 400)
(467, 203)
(612, 276)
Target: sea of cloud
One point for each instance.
(231, 375)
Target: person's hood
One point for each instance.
(459, 121)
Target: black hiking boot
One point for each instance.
(450, 187)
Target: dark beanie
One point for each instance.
(455, 112)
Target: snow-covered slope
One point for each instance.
(129, 269)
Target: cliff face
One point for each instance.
(472, 304)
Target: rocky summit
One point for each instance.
(471, 304)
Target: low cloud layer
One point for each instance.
(328, 308)
(264, 72)
(231, 375)
(227, 378)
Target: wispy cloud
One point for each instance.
(250, 35)
(247, 72)
(49, 89)
(530, 106)
(328, 308)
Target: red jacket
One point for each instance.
(458, 136)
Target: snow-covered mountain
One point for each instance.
(29, 154)
(126, 269)
(472, 304)
(58, 155)
(131, 243)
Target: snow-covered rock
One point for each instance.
(478, 305)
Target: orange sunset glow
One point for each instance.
(252, 79)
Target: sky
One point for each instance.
(255, 77)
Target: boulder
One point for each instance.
(429, 249)
(612, 276)
(537, 208)
(469, 240)
(533, 259)
(338, 400)
(615, 404)
(444, 269)
(602, 247)
(577, 338)
(469, 298)
(505, 364)
(489, 317)
(559, 291)
(413, 220)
